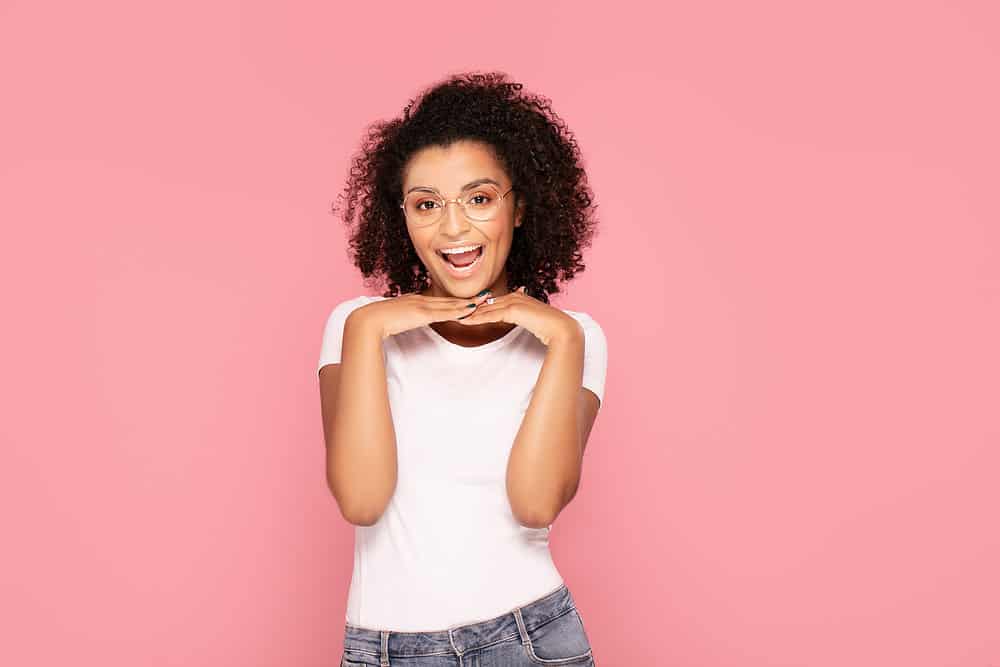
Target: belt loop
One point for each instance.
(521, 630)
(451, 640)
(384, 658)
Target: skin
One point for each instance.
(544, 467)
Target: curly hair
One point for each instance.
(529, 140)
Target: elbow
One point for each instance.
(359, 513)
(535, 516)
(360, 517)
(358, 510)
(540, 513)
(362, 497)
(536, 520)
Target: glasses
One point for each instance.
(426, 207)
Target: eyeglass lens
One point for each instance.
(424, 207)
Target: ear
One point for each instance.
(519, 212)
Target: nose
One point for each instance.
(453, 220)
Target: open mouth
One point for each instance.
(462, 263)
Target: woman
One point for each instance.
(457, 405)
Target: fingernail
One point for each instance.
(471, 305)
(485, 291)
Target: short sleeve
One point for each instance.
(595, 355)
(333, 331)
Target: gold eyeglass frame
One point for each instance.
(457, 200)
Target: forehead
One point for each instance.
(448, 169)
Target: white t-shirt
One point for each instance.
(447, 550)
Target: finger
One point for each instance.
(494, 312)
(477, 298)
(469, 308)
(466, 311)
(510, 295)
(491, 300)
(452, 300)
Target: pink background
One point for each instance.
(797, 271)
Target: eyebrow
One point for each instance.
(478, 181)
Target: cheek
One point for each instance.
(503, 244)
(429, 262)
(419, 246)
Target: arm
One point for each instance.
(543, 472)
(360, 439)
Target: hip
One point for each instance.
(546, 631)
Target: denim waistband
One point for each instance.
(458, 639)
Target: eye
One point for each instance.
(420, 204)
(478, 199)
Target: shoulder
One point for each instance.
(333, 329)
(595, 342)
(590, 326)
(343, 308)
(595, 356)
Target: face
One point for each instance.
(449, 170)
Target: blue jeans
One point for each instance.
(546, 631)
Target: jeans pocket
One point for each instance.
(559, 641)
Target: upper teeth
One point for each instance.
(451, 251)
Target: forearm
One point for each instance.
(361, 454)
(543, 470)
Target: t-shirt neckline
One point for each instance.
(463, 349)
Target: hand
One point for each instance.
(409, 311)
(546, 322)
